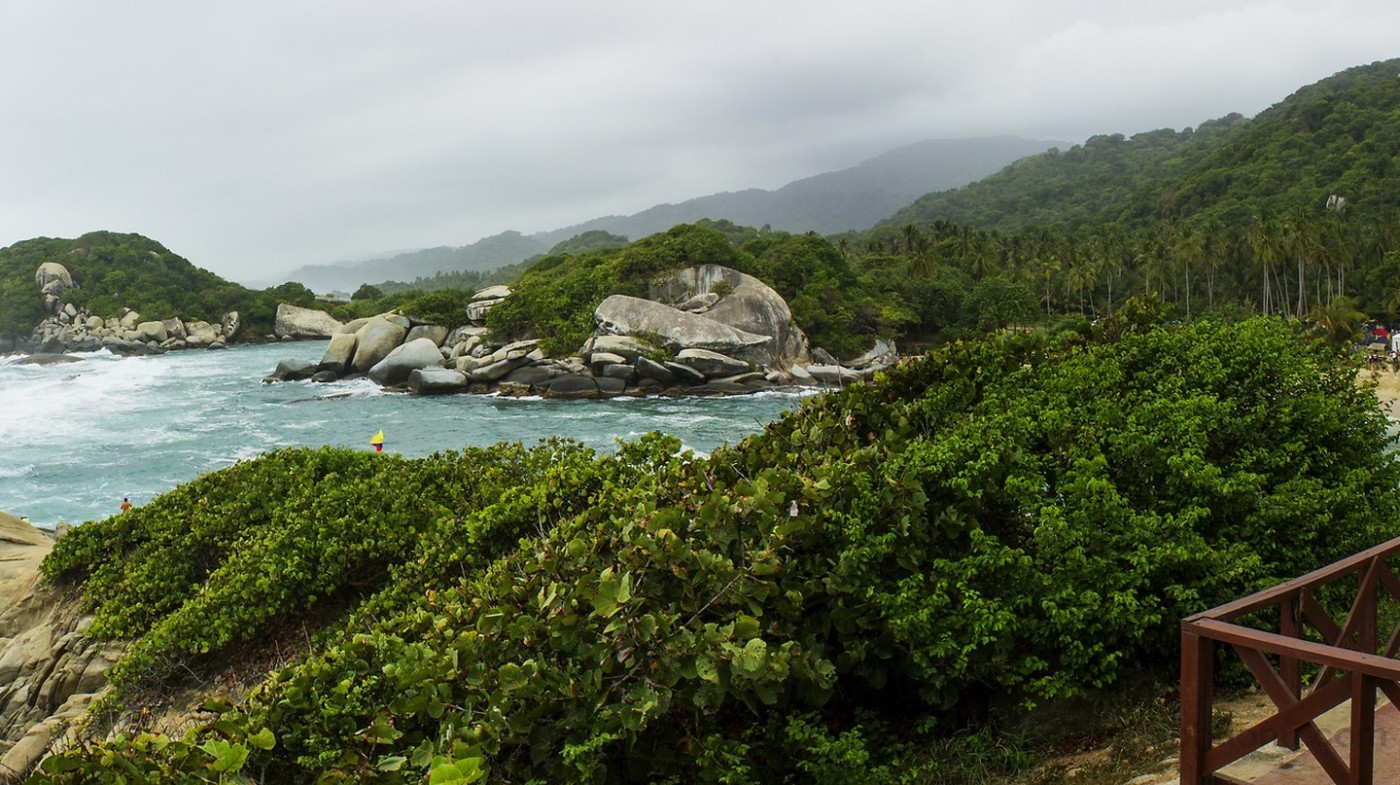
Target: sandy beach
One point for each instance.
(1387, 389)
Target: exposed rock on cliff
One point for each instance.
(49, 672)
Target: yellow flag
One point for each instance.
(378, 438)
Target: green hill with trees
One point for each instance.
(874, 589)
(112, 271)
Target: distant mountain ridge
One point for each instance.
(853, 198)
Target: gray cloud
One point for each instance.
(258, 136)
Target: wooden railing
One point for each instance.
(1348, 664)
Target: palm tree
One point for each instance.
(1339, 320)
(1264, 241)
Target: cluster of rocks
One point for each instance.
(50, 672)
(69, 328)
(721, 333)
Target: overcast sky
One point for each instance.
(254, 137)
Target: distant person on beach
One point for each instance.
(126, 504)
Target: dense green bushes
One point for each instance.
(1003, 521)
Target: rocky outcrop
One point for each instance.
(748, 304)
(735, 337)
(299, 323)
(633, 316)
(71, 328)
(49, 672)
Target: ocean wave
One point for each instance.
(15, 472)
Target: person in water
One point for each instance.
(126, 504)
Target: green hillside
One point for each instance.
(1292, 212)
(1338, 136)
(112, 271)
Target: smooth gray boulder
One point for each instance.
(151, 331)
(53, 279)
(624, 315)
(493, 371)
(533, 375)
(881, 355)
(292, 369)
(834, 374)
(435, 333)
(297, 322)
(650, 369)
(625, 346)
(200, 334)
(175, 328)
(230, 325)
(374, 340)
(700, 303)
(496, 292)
(749, 305)
(574, 385)
(626, 373)
(600, 359)
(433, 381)
(684, 373)
(339, 353)
(404, 360)
(712, 364)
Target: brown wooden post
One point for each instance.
(1363, 729)
(1290, 624)
(1366, 603)
(1197, 693)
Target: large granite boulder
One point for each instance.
(339, 352)
(483, 300)
(432, 381)
(53, 279)
(436, 333)
(624, 346)
(292, 369)
(151, 331)
(201, 334)
(408, 357)
(230, 325)
(296, 322)
(374, 340)
(174, 328)
(749, 305)
(624, 315)
(711, 364)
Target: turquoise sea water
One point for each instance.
(78, 437)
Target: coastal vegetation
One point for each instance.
(115, 271)
(889, 575)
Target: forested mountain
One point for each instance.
(488, 253)
(1338, 136)
(854, 198)
(1087, 184)
(1292, 212)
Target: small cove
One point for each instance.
(80, 436)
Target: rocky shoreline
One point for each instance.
(704, 330)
